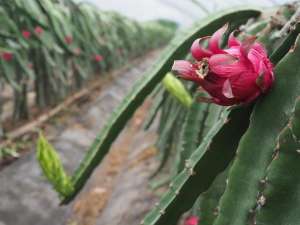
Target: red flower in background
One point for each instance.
(77, 51)
(7, 56)
(68, 39)
(26, 34)
(38, 30)
(238, 74)
(192, 220)
(98, 58)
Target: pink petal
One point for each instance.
(198, 52)
(227, 90)
(244, 85)
(225, 65)
(247, 45)
(265, 78)
(256, 54)
(186, 70)
(215, 40)
(234, 51)
(233, 41)
(192, 220)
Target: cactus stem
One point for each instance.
(289, 26)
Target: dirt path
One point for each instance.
(119, 184)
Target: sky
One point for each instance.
(185, 12)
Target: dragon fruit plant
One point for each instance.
(51, 48)
(235, 147)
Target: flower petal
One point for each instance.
(225, 65)
(215, 40)
(256, 54)
(227, 90)
(233, 41)
(247, 45)
(185, 70)
(198, 52)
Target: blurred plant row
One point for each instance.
(51, 48)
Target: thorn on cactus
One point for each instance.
(235, 75)
(26, 34)
(7, 56)
(262, 200)
(191, 220)
(161, 212)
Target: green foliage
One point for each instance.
(209, 200)
(281, 188)
(62, 57)
(177, 49)
(263, 180)
(52, 167)
(191, 130)
(207, 161)
(235, 166)
(8, 152)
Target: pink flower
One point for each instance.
(26, 34)
(98, 58)
(7, 56)
(77, 51)
(237, 74)
(38, 30)
(68, 39)
(191, 220)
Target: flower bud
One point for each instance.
(26, 34)
(98, 58)
(38, 30)
(235, 75)
(68, 39)
(7, 56)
